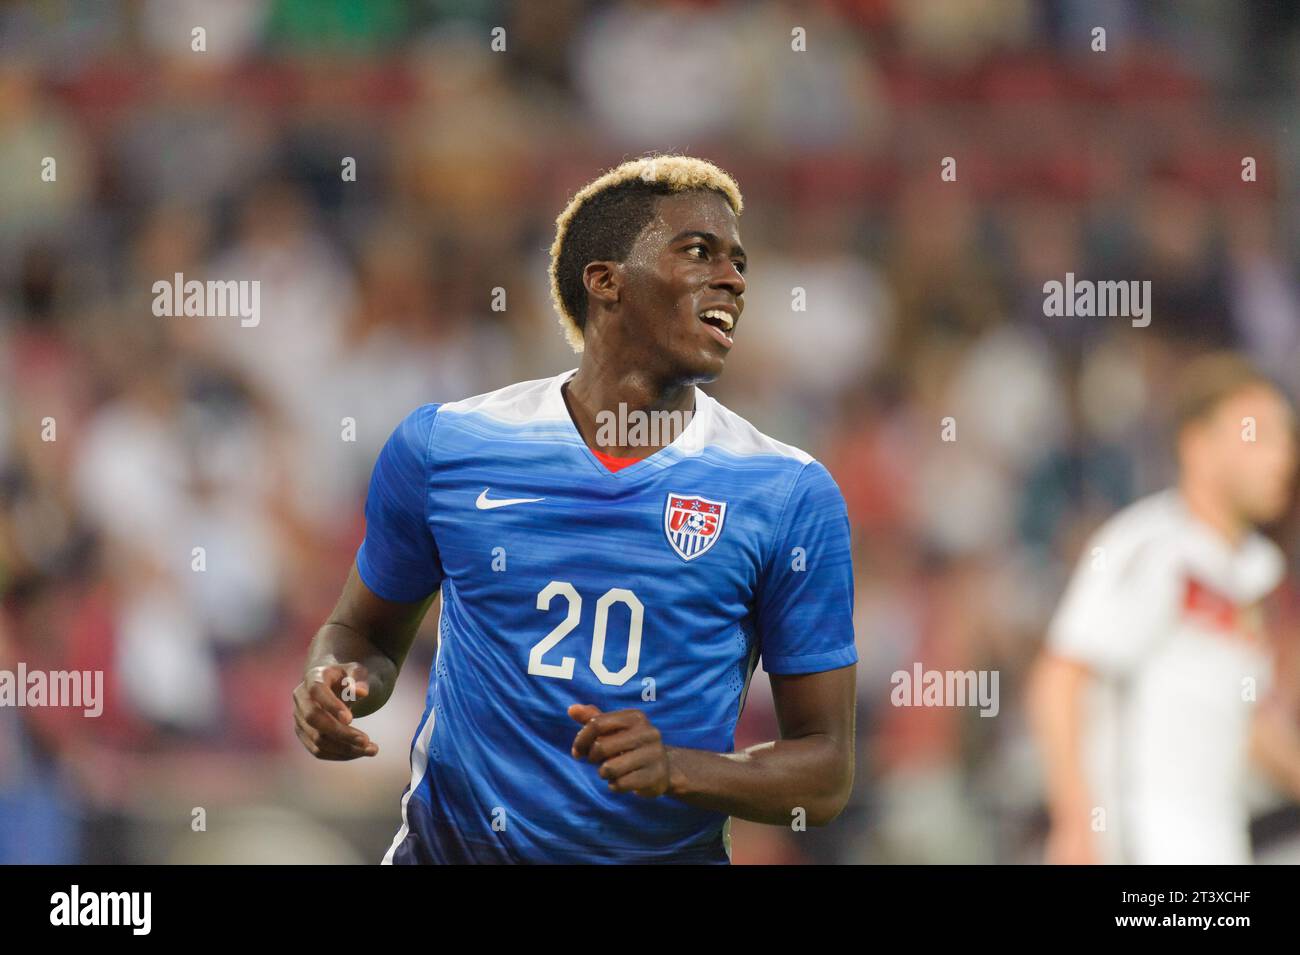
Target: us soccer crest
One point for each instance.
(693, 524)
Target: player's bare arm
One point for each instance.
(352, 666)
(1275, 745)
(810, 767)
(1275, 729)
(1055, 707)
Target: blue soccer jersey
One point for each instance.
(656, 587)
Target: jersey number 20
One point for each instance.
(564, 669)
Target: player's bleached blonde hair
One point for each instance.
(616, 199)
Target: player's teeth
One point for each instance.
(727, 321)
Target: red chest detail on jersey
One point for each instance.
(1209, 608)
(611, 462)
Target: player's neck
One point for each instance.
(599, 395)
(1211, 510)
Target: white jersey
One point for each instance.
(1165, 612)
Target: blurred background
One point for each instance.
(924, 300)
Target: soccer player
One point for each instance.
(1154, 684)
(603, 607)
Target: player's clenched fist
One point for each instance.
(321, 716)
(627, 747)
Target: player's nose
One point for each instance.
(728, 277)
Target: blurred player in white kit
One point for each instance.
(1152, 695)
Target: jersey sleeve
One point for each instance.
(1116, 606)
(398, 560)
(804, 606)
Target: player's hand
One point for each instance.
(323, 720)
(627, 747)
(1071, 845)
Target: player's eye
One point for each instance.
(740, 266)
(701, 246)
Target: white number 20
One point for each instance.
(564, 669)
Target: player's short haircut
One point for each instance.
(1209, 380)
(604, 218)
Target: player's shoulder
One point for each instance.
(1159, 533)
(1155, 534)
(1148, 521)
(525, 406)
(732, 434)
(412, 434)
(731, 441)
(519, 402)
(1261, 567)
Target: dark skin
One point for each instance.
(645, 344)
(352, 667)
(646, 347)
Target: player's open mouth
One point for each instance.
(721, 324)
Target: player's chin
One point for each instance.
(706, 367)
(1275, 509)
(1267, 508)
(707, 361)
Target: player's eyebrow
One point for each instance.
(710, 238)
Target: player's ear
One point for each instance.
(604, 281)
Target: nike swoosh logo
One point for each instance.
(483, 504)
